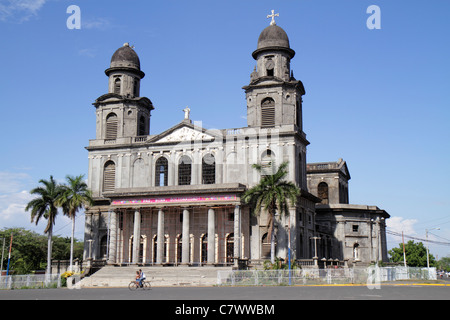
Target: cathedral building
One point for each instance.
(174, 198)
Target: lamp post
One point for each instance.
(428, 251)
(315, 258)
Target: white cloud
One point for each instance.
(399, 224)
(90, 53)
(97, 23)
(19, 10)
(14, 198)
(12, 207)
(11, 182)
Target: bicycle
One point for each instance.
(133, 286)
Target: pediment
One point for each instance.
(182, 134)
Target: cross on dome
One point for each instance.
(273, 15)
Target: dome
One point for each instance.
(275, 38)
(125, 58)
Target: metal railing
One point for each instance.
(370, 276)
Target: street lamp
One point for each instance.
(428, 252)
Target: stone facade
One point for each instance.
(184, 185)
(356, 233)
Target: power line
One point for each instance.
(418, 239)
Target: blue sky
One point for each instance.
(376, 98)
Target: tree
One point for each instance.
(444, 264)
(74, 197)
(28, 252)
(272, 194)
(45, 206)
(416, 254)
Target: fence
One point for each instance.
(30, 281)
(370, 275)
(407, 273)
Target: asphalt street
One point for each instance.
(228, 302)
(384, 292)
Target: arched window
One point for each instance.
(266, 245)
(184, 171)
(204, 252)
(230, 248)
(139, 173)
(268, 163)
(161, 172)
(300, 170)
(268, 112)
(109, 176)
(104, 247)
(111, 126)
(208, 169)
(322, 192)
(179, 247)
(155, 248)
(117, 84)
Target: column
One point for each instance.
(112, 249)
(88, 236)
(160, 238)
(136, 236)
(292, 233)
(237, 233)
(211, 236)
(185, 239)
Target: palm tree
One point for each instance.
(45, 206)
(74, 197)
(272, 193)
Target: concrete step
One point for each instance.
(112, 276)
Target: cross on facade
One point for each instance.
(273, 15)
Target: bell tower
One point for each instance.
(122, 112)
(274, 96)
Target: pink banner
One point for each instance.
(199, 199)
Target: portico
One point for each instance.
(209, 223)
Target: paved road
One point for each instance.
(385, 292)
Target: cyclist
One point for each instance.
(141, 276)
(137, 277)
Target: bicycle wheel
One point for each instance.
(147, 286)
(133, 286)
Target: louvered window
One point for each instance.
(111, 126)
(184, 171)
(268, 112)
(109, 177)
(161, 172)
(117, 85)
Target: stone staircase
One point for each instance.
(115, 276)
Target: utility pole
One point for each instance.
(428, 251)
(3, 250)
(404, 253)
(9, 255)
